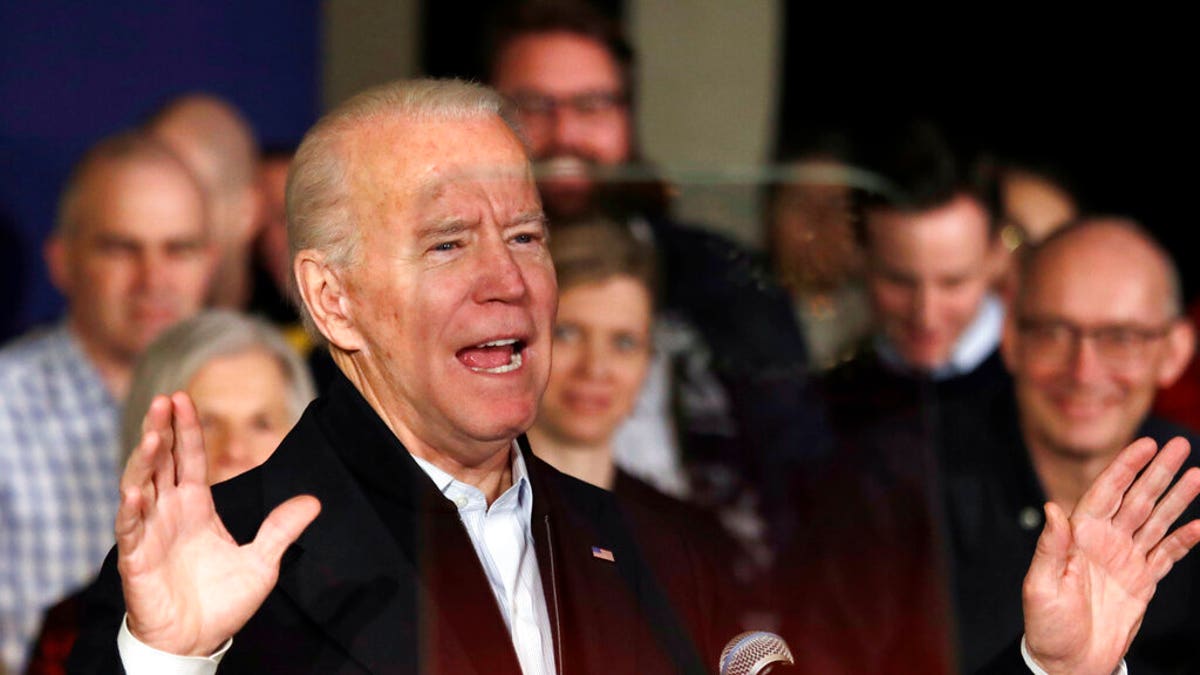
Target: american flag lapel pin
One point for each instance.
(603, 554)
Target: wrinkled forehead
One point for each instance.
(405, 164)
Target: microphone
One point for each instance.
(755, 652)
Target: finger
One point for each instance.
(130, 522)
(139, 469)
(1172, 549)
(1104, 497)
(1168, 510)
(190, 461)
(1139, 501)
(164, 456)
(1050, 556)
(284, 526)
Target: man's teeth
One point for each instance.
(498, 343)
(514, 361)
(563, 167)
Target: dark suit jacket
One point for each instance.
(386, 579)
(864, 589)
(994, 517)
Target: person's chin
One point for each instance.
(567, 198)
(504, 417)
(1086, 442)
(151, 326)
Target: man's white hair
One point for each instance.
(319, 213)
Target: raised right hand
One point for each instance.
(188, 585)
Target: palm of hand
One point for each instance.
(1102, 580)
(188, 585)
(1093, 576)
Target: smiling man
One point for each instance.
(1096, 330)
(443, 545)
(932, 257)
(727, 408)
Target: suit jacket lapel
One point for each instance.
(387, 570)
(345, 572)
(608, 616)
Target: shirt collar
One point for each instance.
(451, 487)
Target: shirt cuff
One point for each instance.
(138, 658)
(1037, 670)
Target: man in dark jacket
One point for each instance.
(1096, 329)
(420, 253)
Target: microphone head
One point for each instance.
(753, 652)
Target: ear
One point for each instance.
(56, 254)
(1181, 345)
(323, 290)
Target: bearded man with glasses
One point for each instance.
(1096, 329)
(727, 412)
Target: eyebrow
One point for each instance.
(528, 217)
(442, 228)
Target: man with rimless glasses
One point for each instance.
(1095, 330)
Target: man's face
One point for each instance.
(1091, 340)
(812, 234)
(927, 273)
(138, 260)
(570, 99)
(454, 297)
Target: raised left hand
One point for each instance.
(1093, 573)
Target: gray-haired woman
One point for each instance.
(248, 384)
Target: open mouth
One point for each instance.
(495, 357)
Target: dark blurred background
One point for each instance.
(1104, 100)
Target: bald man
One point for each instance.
(217, 143)
(1096, 329)
(131, 254)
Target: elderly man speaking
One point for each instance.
(443, 544)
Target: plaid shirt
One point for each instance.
(58, 481)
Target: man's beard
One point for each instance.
(574, 188)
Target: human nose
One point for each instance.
(152, 271)
(501, 276)
(595, 360)
(924, 307)
(1085, 361)
(568, 126)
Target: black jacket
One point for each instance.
(994, 517)
(386, 579)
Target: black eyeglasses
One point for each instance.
(588, 104)
(1116, 344)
